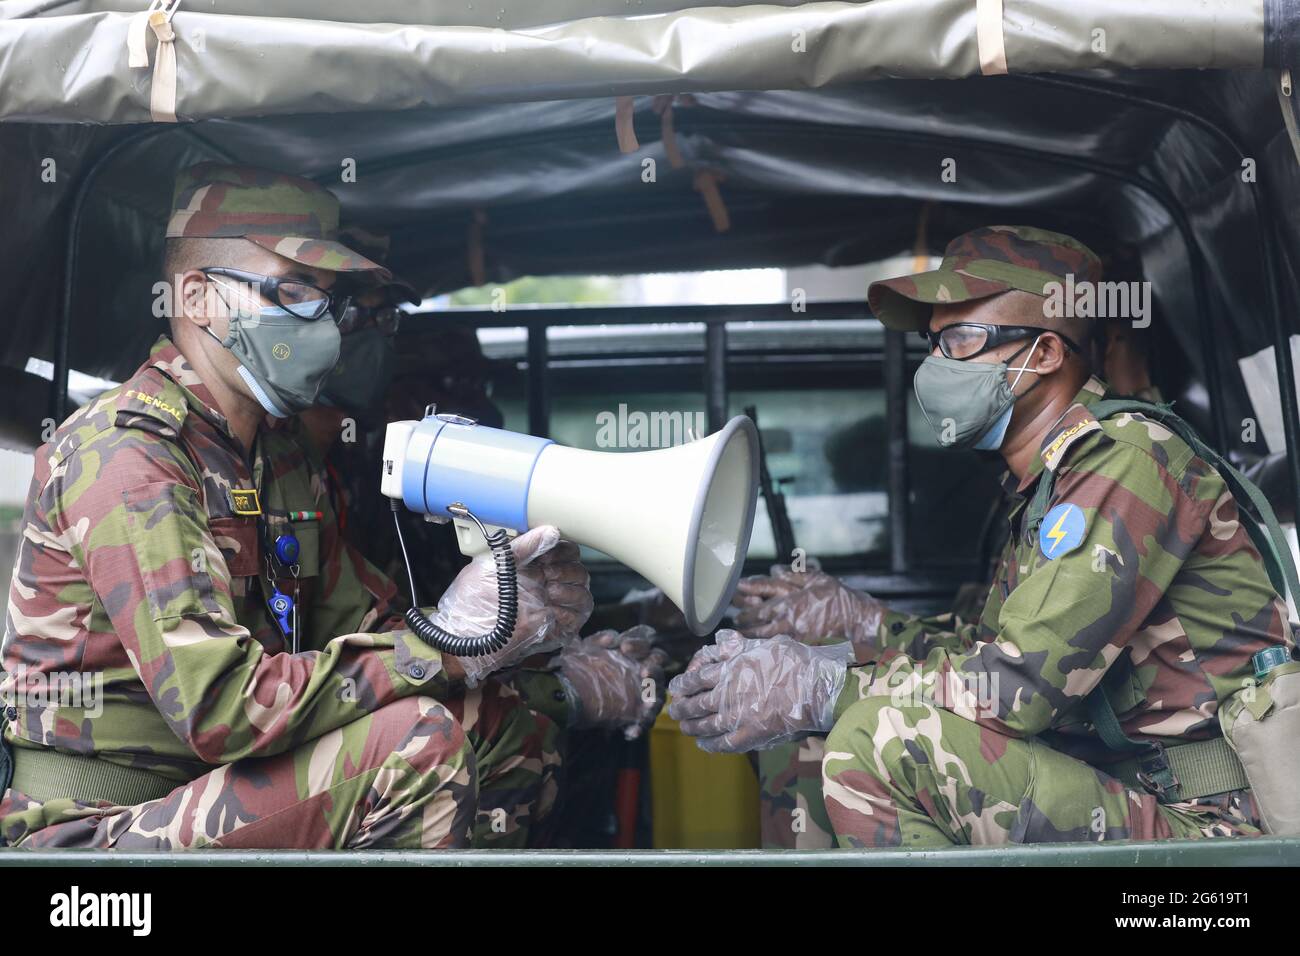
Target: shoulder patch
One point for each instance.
(1070, 436)
(1062, 531)
(152, 402)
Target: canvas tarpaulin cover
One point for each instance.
(68, 61)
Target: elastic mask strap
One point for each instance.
(229, 308)
(232, 309)
(1024, 368)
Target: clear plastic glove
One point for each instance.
(811, 606)
(615, 680)
(568, 588)
(740, 694)
(554, 599)
(780, 580)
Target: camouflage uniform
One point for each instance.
(136, 567)
(513, 720)
(950, 732)
(144, 571)
(791, 811)
(974, 733)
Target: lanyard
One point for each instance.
(283, 551)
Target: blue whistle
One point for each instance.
(281, 606)
(286, 549)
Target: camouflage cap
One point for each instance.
(288, 215)
(981, 263)
(376, 245)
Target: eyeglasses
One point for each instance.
(966, 340)
(306, 301)
(386, 318)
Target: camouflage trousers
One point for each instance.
(915, 775)
(792, 814)
(477, 769)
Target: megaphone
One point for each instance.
(680, 516)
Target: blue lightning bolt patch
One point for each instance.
(1061, 531)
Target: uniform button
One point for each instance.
(897, 627)
(560, 698)
(11, 712)
(417, 671)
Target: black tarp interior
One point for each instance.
(834, 177)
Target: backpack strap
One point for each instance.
(1263, 527)
(1152, 767)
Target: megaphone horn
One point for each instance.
(680, 516)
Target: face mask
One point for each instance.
(968, 404)
(363, 373)
(283, 359)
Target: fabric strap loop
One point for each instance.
(990, 38)
(162, 89)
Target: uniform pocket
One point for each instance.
(168, 534)
(237, 539)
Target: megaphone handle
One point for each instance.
(471, 536)
(507, 600)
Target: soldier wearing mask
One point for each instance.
(1127, 607)
(233, 691)
(612, 680)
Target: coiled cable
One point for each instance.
(507, 597)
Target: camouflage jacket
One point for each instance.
(435, 556)
(139, 576)
(1141, 550)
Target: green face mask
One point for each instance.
(968, 404)
(283, 358)
(363, 373)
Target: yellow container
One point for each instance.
(700, 801)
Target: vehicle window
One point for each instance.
(819, 396)
(825, 453)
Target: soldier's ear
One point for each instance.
(1052, 353)
(195, 300)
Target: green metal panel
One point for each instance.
(1266, 851)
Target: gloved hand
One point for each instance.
(554, 599)
(740, 694)
(780, 580)
(810, 606)
(615, 680)
(568, 588)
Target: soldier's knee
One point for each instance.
(501, 716)
(873, 728)
(858, 726)
(423, 732)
